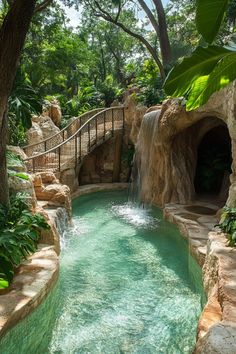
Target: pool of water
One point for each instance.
(127, 285)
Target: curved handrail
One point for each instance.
(61, 132)
(77, 137)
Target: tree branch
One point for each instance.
(43, 5)
(107, 17)
(150, 16)
(38, 8)
(148, 46)
(163, 37)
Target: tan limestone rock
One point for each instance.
(37, 180)
(18, 184)
(48, 177)
(51, 236)
(34, 134)
(55, 194)
(18, 151)
(48, 128)
(133, 118)
(168, 142)
(220, 339)
(55, 113)
(34, 279)
(69, 178)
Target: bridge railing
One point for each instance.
(61, 136)
(70, 153)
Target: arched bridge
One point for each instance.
(67, 148)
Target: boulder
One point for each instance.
(50, 236)
(17, 151)
(18, 184)
(133, 118)
(220, 339)
(48, 128)
(55, 113)
(48, 177)
(34, 134)
(53, 110)
(54, 193)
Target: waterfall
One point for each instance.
(134, 185)
(140, 190)
(62, 221)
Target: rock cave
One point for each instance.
(213, 164)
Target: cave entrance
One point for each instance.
(214, 163)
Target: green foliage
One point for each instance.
(24, 101)
(19, 234)
(128, 155)
(209, 17)
(147, 79)
(181, 27)
(227, 224)
(13, 160)
(109, 90)
(197, 77)
(16, 131)
(207, 70)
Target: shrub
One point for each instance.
(14, 161)
(19, 234)
(227, 224)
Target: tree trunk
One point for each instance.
(12, 37)
(4, 192)
(163, 34)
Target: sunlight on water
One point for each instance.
(126, 286)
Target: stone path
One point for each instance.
(195, 221)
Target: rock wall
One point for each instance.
(36, 277)
(167, 146)
(42, 128)
(217, 325)
(100, 165)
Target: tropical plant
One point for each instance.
(208, 69)
(13, 162)
(24, 100)
(149, 83)
(19, 234)
(227, 224)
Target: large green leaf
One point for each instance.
(209, 17)
(223, 73)
(199, 76)
(4, 283)
(201, 63)
(6, 270)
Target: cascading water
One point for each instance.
(139, 190)
(135, 183)
(62, 221)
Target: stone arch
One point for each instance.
(168, 151)
(188, 159)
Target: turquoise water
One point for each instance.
(127, 285)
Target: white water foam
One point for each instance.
(137, 216)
